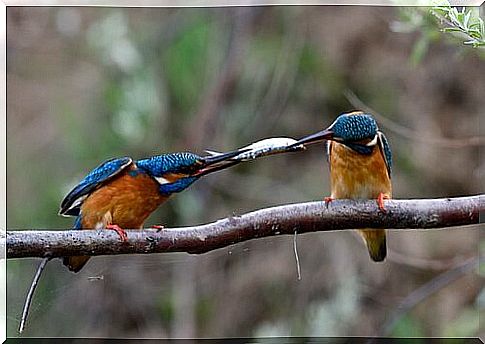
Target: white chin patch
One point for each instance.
(373, 142)
(162, 180)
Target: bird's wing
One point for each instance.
(71, 204)
(385, 151)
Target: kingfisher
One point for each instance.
(122, 193)
(360, 163)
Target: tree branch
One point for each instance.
(280, 220)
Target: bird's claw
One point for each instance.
(120, 231)
(158, 227)
(380, 201)
(327, 201)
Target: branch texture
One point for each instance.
(280, 220)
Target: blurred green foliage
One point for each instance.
(408, 326)
(187, 58)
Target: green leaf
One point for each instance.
(474, 26)
(466, 19)
(451, 29)
(475, 34)
(454, 14)
(460, 16)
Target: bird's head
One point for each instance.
(177, 171)
(354, 127)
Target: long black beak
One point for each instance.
(219, 162)
(326, 134)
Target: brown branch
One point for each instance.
(280, 220)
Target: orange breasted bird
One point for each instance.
(360, 167)
(122, 193)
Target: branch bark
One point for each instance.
(280, 220)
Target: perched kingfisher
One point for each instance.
(360, 167)
(122, 193)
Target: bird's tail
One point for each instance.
(75, 263)
(375, 239)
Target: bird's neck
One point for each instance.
(179, 185)
(360, 148)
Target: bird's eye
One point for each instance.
(185, 169)
(189, 169)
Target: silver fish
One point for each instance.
(274, 145)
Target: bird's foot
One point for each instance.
(120, 231)
(380, 201)
(158, 227)
(327, 200)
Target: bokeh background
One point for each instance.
(87, 84)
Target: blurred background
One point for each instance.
(87, 84)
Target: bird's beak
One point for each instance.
(218, 162)
(326, 134)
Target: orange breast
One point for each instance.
(126, 200)
(357, 176)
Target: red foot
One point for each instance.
(120, 231)
(380, 201)
(327, 200)
(158, 227)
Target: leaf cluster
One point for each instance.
(463, 21)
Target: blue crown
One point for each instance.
(354, 127)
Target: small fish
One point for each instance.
(274, 145)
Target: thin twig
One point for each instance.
(295, 250)
(411, 134)
(30, 294)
